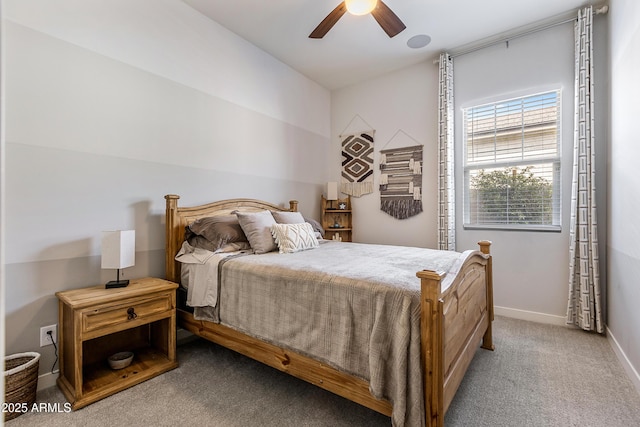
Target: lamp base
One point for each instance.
(117, 284)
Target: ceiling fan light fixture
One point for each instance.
(360, 7)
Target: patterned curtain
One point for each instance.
(584, 307)
(446, 188)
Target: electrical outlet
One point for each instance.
(44, 337)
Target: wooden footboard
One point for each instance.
(457, 311)
(456, 314)
(298, 365)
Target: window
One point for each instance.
(512, 163)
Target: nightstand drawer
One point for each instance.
(126, 311)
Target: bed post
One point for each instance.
(293, 205)
(171, 216)
(431, 331)
(487, 340)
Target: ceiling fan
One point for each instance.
(389, 21)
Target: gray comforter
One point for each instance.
(353, 306)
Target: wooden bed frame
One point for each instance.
(456, 315)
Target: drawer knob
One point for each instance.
(131, 314)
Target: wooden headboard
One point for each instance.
(179, 217)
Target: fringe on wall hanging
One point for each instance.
(401, 181)
(357, 164)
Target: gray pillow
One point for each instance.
(287, 217)
(296, 218)
(257, 228)
(213, 233)
(315, 225)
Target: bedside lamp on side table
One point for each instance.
(332, 193)
(118, 251)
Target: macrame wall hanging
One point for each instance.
(401, 181)
(357, 162)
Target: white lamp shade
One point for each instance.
(118, 248)
(332, 191)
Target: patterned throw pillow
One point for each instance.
(294, 237)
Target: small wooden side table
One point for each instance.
(96, 322)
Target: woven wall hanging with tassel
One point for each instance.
(357, 164)
(401, 181)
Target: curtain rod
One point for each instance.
(524, 31)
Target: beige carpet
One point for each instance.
(539, 375)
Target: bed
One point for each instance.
(454, 309)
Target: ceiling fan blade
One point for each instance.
(389, 21)
(327, 23)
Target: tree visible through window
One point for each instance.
(512, 163)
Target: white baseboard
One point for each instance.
(624, 360)
(47, 380)
(531, 316)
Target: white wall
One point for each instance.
(532, 64)
(531, 268)
(172, 40)
(623, 245)
(402, 108)
(113, 104)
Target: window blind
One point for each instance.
(512, 163)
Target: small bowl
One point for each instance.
(120, 360)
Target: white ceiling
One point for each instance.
(356, 48)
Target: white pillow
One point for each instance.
(257, 228)
(294, 237)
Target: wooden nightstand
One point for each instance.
(96, 322)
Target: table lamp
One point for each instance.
(118, 251)
(332, 192)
